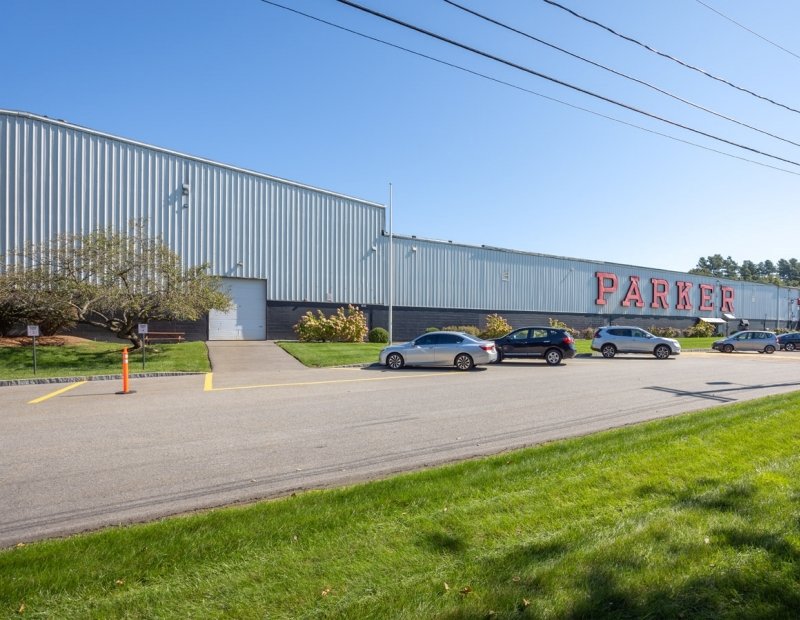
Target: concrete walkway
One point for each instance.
(251, 362)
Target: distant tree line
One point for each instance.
(784, 272)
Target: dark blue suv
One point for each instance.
(789, 342)
(550, 343)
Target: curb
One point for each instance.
(141, 375)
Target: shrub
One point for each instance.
(556, 324)
(10, 318)
(496, 327)
(586, 333)
(428, 330)
(468, 329)
(311, 328)
(344, 326)
(701, 330)
(664, 332)
(349, 325)
(378, 334)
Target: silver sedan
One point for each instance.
(440, 349)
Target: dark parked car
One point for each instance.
(550, 343)
(789, 342)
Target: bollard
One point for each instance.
(125, 389)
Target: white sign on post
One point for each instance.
(142, 328)
(33, 331)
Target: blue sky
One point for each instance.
(470, 160)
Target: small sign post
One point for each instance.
(143, 333)
(33, 333)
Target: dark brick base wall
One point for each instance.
(410, 322)
(194, 330)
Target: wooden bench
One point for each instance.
(164, 337)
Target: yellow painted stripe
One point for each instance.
(274, 385)
(208, 386)
(56, 393)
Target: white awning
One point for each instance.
(713, 320)
(728, 317)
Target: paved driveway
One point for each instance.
(244, 362)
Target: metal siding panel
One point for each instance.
(307, 243)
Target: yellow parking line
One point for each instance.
(56, 393)
(208, 387)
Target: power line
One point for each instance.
(514, 65)
(672, 58)
(743, 27)
(618, 73)
(526, 90)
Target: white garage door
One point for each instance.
(247, 317)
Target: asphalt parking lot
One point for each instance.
(78, 457)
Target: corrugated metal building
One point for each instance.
(284, 248)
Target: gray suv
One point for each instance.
(748, 340)
(623, 339)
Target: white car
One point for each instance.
(440, 349)
(624, 339)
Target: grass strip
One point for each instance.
(321, 354)
(696, 516)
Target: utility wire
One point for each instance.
(526, 90)
(743, 27)
(672, 58)
(514, 65)
(615, 72)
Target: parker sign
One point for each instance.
(659, 293)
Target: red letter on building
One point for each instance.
(706, 291)
(727, 299)
(683, 296)
(633, 294)
(602, 289)
(660, 290)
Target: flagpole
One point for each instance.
(391, 263)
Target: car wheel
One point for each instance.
(769, 349)
(608, 350)
(463, 362)
(395, 361)
(662, 352)
(728, 348)
(789, 346)
(553, 357)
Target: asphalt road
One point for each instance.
(88, 458)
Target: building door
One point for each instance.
(247, 317)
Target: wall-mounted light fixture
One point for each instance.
(413, 248)
(374, 248)
(185, 194)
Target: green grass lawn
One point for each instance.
(100, 358)
(318, 354)
(690, 517)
